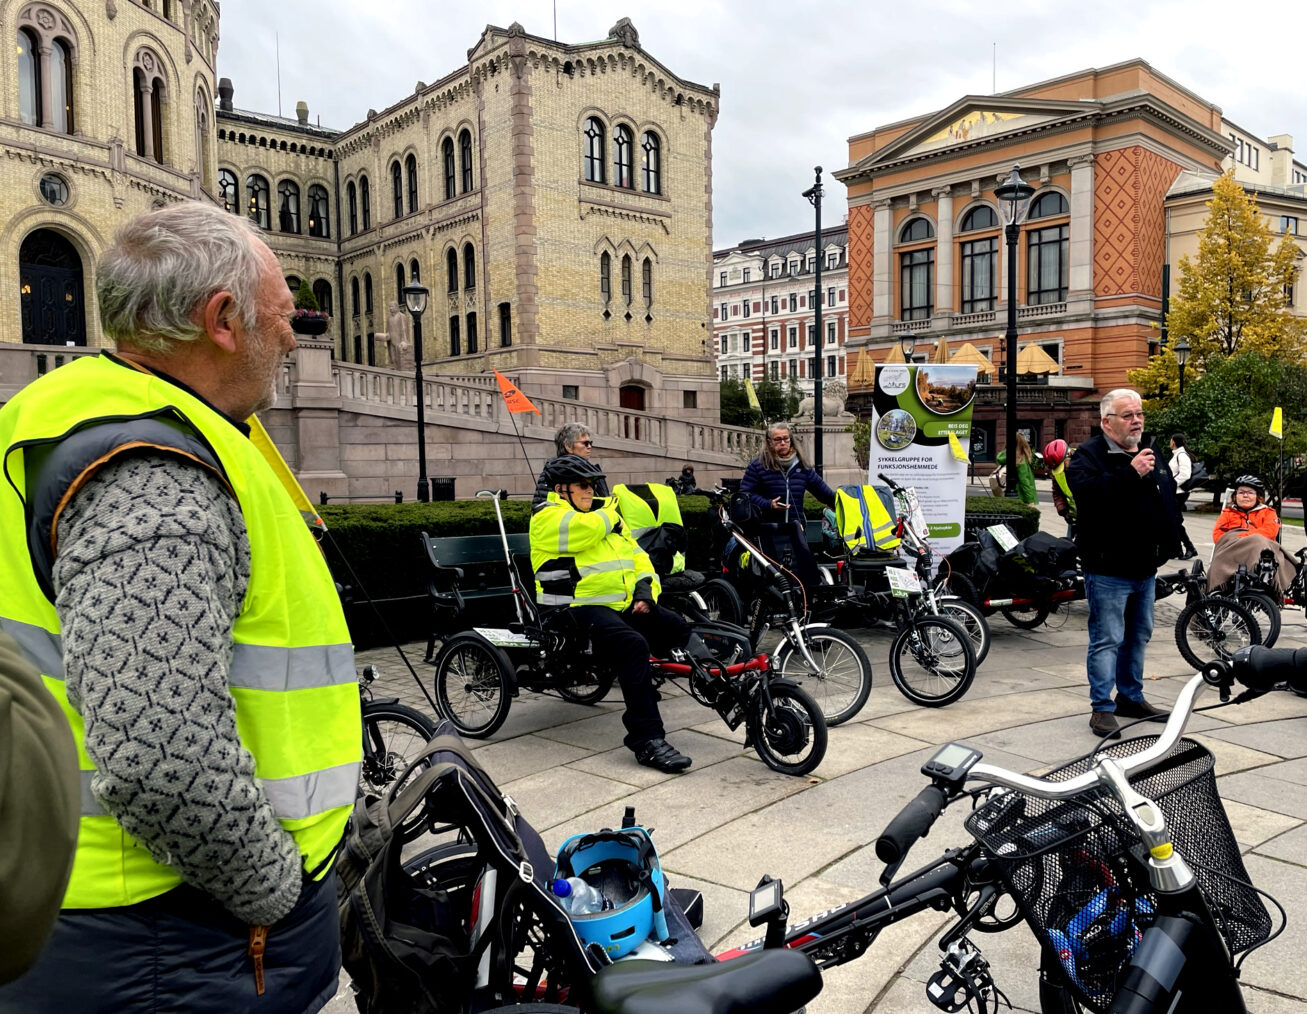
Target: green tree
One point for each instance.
(777, 401)
(735, 407)
(305, 299)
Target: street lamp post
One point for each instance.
(415, 298)
(1181, 357)
(907, 345)
(1013, 198)
(813, 194)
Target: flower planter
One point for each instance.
(303, 324)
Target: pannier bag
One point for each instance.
(1035, 562)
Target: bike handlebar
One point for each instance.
(912, 822)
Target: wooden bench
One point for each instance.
(466, 568)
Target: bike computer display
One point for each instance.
(951, 763)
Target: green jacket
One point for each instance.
(1025, 479)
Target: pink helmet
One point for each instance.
(1055, 453)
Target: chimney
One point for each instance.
(225, 92)
(302, 112)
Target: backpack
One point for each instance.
(1197, 475)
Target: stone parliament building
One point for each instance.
(555, 199)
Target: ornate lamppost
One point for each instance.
(1181, 357)
(1013, 198)
(415, 298)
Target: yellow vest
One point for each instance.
(580, 559)
(1059, 476)
(292, 670)
(661, 535)
(863, 520)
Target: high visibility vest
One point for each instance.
(292, 669)
(660, 534)
(1059, 477)
(863, 521)
(580, 559)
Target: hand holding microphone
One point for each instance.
(1144, 462)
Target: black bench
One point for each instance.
(470, 568)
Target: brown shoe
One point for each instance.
(1103, 724)
(1127, 708)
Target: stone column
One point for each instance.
(47, 87)
(315, 405)
(882, 299)
(1080, 282)
(147, 115)
(944, 305)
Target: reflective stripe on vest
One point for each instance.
(642, 520)
(292, 675)
(863, 520)
(1059, 476)
(608, 564)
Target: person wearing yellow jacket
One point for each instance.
(586, 561)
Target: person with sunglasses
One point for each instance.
(571, 438)
(585, 560)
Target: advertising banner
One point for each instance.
(915, 409)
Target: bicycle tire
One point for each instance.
(1025, 617)
(844, 682)
(596, 688)
(472, 684)
(969, 617)
(1265, 612)
(721, 601)
(962, 586)
(387, 752)
(943, 663)
(1219, 624)
(791, 728)
(1054, 997)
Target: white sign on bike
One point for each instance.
(903, 582)
(505, 638)
(1003, 535)
(913, 514)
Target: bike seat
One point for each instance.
(686, 580)
(764, 982)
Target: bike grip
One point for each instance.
(1261, 668)
(911, 823)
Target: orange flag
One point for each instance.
(513, 398)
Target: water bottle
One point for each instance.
(578, 897)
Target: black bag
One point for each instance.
(1197, 476)
(1029, 567)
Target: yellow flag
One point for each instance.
(1277, 424)
(955, 445)
(260, 439)
(753, 395)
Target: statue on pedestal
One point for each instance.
(833, 396)
(396, 338)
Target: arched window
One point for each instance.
(229, 190)
(319, 212)
(455, 345)
(399, 283)
(29, 78)
(505, 325)
(414, 271)
(411, 170)
(465, 158)
(594, 150)
(351, 194)
(365, 198)
(293, 283)
(45, 80)
(626, 279)
(917, 230)
(1048, 204)
(256, 189)
(354, 294)
(646, 281)
(148, 98)
(447, 155)
(61, 87)
(202, 108)
(469, 273)
(367, 292)
(605, 277)
(981, 217)
(397, 188)
(288, 206)
(451, 269)
(651, 166)
(471, 333)
(622, 145)
(322, 293)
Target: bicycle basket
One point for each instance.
(1086, 897)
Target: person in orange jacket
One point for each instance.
(1247, 512)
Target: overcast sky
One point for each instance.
(797, 78)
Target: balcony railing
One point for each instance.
(1040, 310)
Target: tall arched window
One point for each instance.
(646, 281)
(148, 101)
(229, 190)
(979, 260)
(61, 87)
(354, 295)
(256, 189)
(322, 293)
(651, 165)
(319, 212)
(451, 269)
(622, 168)
(465, 158)
(411, 171)
(397, 188)
(367, 292)
(45, 78)
(469, 272)
(626, 279)
(505, 325)
(351, 195)
(917, 272)
(1048, 205)
(288, 206)
(399, 283)
(455, 345)
(447, 156)
(594, 150)
(414, 271)
(29, 78)
(471, 333)
(202, 108)
(365, 198)
(605, 276)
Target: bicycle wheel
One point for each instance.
(1054, 997)
(1214, 628)
(843, 680)
(1265, 612)
(1025, 617)
(790, 734)
(393, 737)
(970, 619)
(589, 686)
(472, 685)
(721, 601)
(932, 661)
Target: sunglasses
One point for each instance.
(585, 443)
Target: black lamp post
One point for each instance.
(907, 345)
(813, 194)
(415, 298)
(1181, 357)
(1013, 198)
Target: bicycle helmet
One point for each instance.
(624, 866)
(568, 468)
(1252, 482)
(1055, 453)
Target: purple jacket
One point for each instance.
(766, 484)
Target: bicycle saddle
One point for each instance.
(763, 982)
(686, 580)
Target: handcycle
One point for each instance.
(1257, 587)
(1210, 626)
(479, 670)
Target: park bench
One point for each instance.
(465, 568)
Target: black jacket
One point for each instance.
(1125, 523)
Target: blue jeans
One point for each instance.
(1120, 624)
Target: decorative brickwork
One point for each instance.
(860, 265)
(1130, 221)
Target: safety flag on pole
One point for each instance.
(263, 443)
(955, 445)
(1277, 424)
(753, 395)
(513, 398)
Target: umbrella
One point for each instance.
(895, 355)
(1033, 359)
(969, 355)
(864, 373)
(941, 352)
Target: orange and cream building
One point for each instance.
(926, 250)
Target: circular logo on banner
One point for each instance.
(896, 430)
(894, 379)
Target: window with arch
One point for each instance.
(465, 158)
(505, 325)
(288, 206)
(202, 107)
(1047, 264)
(322, 293)
(45, 78)
(319, 212)
(447, 156)
(367, 292)
(414, 271)
(61, 87)
(471, 333)
(622, 167)
(256, 190)
(605, 277)
(917, 230)
(229, 191)
(979, 273)
(646, 281)
(1048, 205)
(651, 165)
(365, 199)
(397, 187)
(469, 273)
(293, 283)
(981, 217)
(594, 150)
(29, 78)
(354, 294)
(626, 279)
(411, 172)
(451, 269)
(351, 196)
(455, 342)
(147, 97)
(399, 283)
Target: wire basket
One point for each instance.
(1077, 868)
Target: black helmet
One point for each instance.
(1252, 482)
(569, 468)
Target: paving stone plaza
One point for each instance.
(730, 819)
